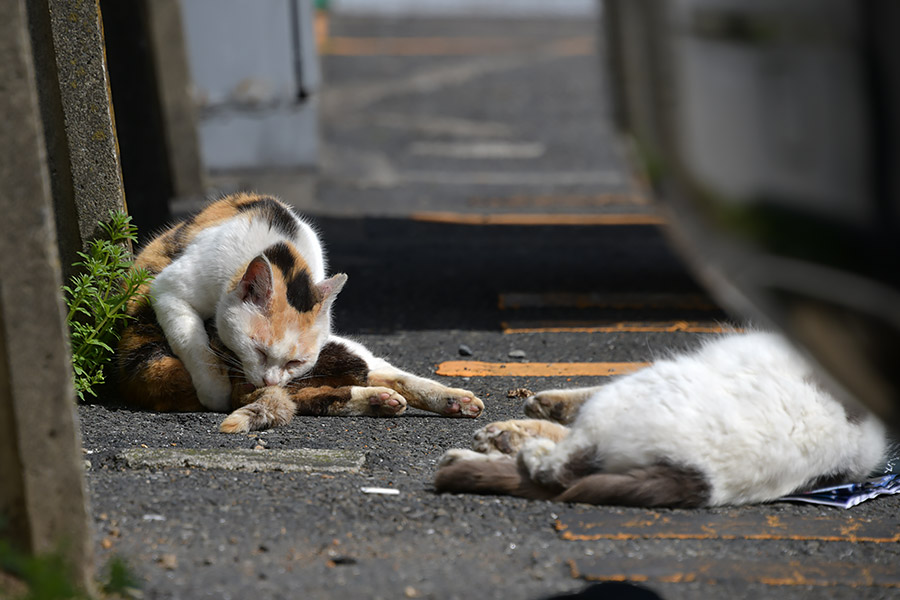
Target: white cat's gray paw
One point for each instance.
(559, 406)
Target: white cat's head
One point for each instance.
(275, 319)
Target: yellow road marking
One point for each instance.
(809, 572)
(731, 525)
(475, 368)
(538, 219)
(624, 327)
(451, 46)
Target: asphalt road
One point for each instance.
(194, 533)
(391, 206)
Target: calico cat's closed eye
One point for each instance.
(293, 364)
(262, 354)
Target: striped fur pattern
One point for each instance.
(238, 317)
(742, 420)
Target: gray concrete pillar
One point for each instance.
(42, 495)
(76, 107)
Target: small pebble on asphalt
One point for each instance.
(464, 350)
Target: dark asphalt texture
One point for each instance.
(416, 292)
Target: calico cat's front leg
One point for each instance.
(187, 337)
(274, 406)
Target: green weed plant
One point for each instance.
(96, 298)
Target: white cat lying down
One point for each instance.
(741, 420)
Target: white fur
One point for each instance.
(744, 410)
(194, 288)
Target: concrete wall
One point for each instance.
(42, 496)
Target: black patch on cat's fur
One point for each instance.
(276, 214)
(337, 366)
(143, 312)
(301, 293)
(174, 241)
(325, 401)
(144, 355)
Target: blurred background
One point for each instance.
(527, 165)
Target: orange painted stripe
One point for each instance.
(452, 46)
(731, 525)
(475, 368)
(635, 301)
(625, 327)
(538, 219)
(806, 572)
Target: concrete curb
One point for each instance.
(294, 460)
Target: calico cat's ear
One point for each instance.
(256, 285)
(330, 287)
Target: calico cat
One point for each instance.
(238, 317)
(742, 420)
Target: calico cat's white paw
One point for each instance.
(213, 389)
(377, 401)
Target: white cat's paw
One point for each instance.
(508, 437)
(560, 406)
(535, 456)
(462, 454)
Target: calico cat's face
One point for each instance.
(274, 324)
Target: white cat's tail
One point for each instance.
(464, 471)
